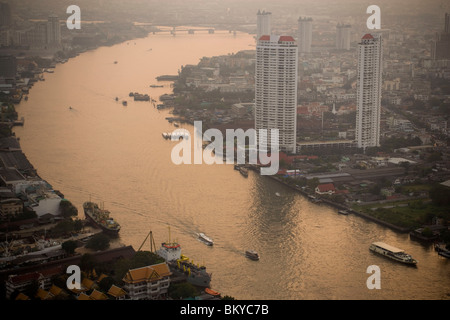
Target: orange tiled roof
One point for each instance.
(97, 295)
(149, 273)
(116, 292)
(83, 296)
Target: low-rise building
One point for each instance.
(327, 188)
(148, 283)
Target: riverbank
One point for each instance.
(335, 205)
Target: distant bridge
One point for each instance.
(172, 29)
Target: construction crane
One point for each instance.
(152, 242)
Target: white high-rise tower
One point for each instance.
(276, 89)
(263, 24)
(368, 91)
(304, 35)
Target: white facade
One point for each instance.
(276, 90)
(304, 35)
(263, 24)
(343, 37)
(368, 91)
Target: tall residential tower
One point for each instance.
(276, 89)
(304, 35)
(343, 36)
(263, 24)
(368, 91)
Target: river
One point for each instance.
(117, 156)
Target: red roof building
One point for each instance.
(327, 188)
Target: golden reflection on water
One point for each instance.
(116, 155)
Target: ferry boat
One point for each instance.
(392, 253)
(100, 218)
(203, 237)
(251, 254)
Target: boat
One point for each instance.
(207, 240)
(156, 86)
(181, 265)
(117, 99)
(42, 246)
(166, 135)
(392, 253)
(141, 97)
(176, 124)
(277, 194)
(195, 274)
(252, 254)
(343, 212)
(115, 62)
(442, 250)
(212, 292)
(243, 171)
(124, 103)
(101, 218)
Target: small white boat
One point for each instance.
(207, 240)
(277, 194)
(343, 212)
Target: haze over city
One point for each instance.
(227, 151)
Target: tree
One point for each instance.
(68, 209)
(440, 195)
(87, 262)
(106, 283)
(182, 291)
(98, 242)
(69, 246)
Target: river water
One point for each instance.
(117, 156)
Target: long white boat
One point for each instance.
(203, 237)
(392, 253)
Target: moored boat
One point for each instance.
(252, 254)
(101, 218)
(180, 265)
(392, 253)
(243, 171)
(343, 212)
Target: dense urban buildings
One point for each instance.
(276, 88)
(368, 91)
(304, 35)
(263, 23)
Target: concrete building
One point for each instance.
(343, 36)
(5, 14)
(304, 35)
(53, 30)
(368, 91)
(440, 48)
(263, 23)
(276, 90)
(8, 66)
